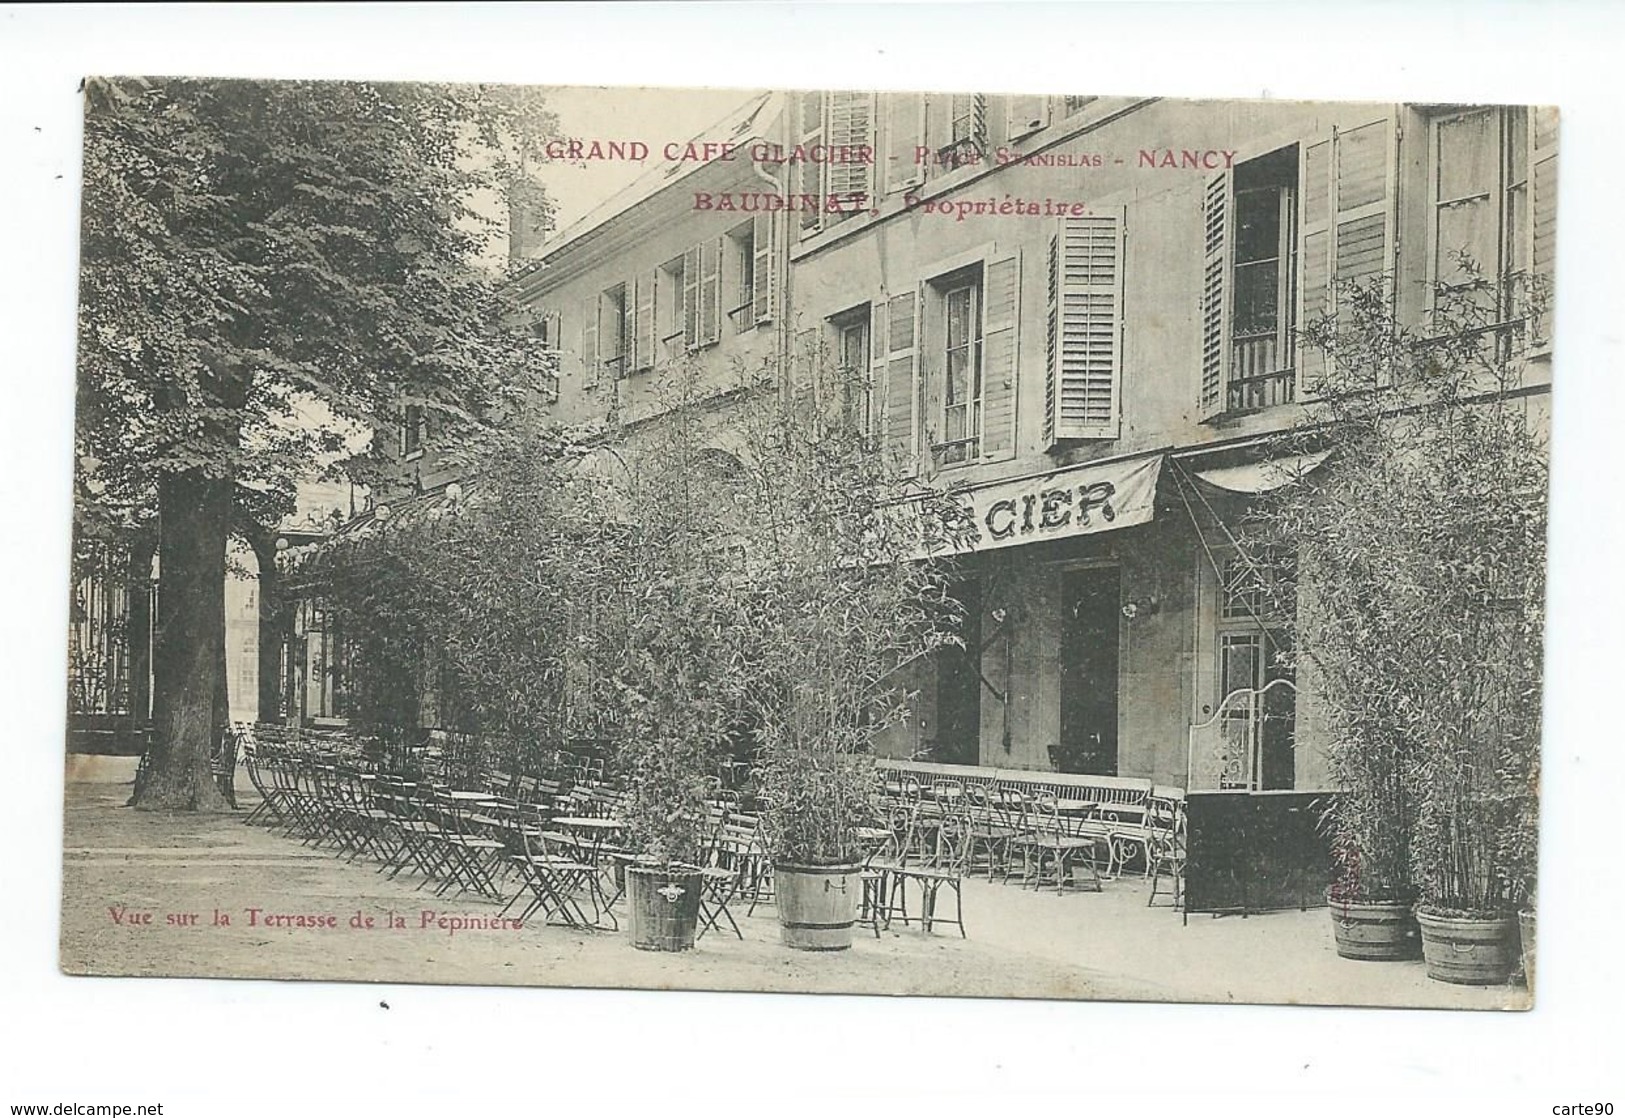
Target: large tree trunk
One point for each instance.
(189, 644)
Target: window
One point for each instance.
(905, 136)
(945, 355)
(547, 329)
(669, 303)
(1074, 103)
(852, 359)
(317, 632)
(1024, 115)
(414, 430)
(962, 373)
(739, 270)
(967, 131)
(614, 331)
(1264, 283)
(1479, 181)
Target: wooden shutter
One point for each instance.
(938, 122)
(851, 125)
(645, 330)
(1001, 318)
(634, 320)
(1315, 182)
(905, 133)
(1025, 114)
(877, 367)
(589, 341)
(808, 174)
(973, 105)
(691, 297)
(901, 424)
(1215, 309)
(1349, 185)
(764, 268)
(612, 330)
(1084, 352)
(710, 291)
(1543, 207)
(1364, 168)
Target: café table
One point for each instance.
(592, 835)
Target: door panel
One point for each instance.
(1089, 629)
(959, 687)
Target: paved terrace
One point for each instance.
(1022, 944)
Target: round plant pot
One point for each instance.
(665, 906)
(817, 905)
(1374, 930)
(1526, 940)
(1473, 951)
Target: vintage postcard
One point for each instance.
(1017, 545)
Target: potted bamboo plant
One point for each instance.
(1422, 558)
(659, 640)
(1371, 896)
(843, 591)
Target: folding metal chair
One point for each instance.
(554, 881)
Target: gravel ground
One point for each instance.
(118, 862)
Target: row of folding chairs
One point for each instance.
(514, 839)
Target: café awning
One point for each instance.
(1264, 476)
(1076, 501)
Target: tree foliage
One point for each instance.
(265, 267)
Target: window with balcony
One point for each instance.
(962, 373)
(739, 270)
(966, 138)
(1264, 273)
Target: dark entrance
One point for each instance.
(1090, 615)
(959, 686)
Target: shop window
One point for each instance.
(1255, 602)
